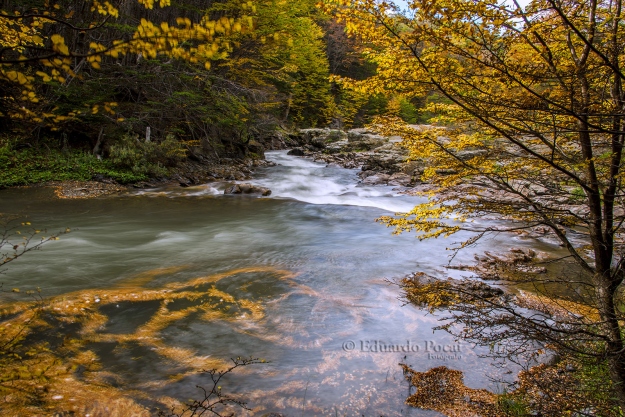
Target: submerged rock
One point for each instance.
(247, 189)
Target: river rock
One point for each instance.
(377, 179)
(361, 131)
(365, 174)
(470, 154)
(363, 140)
(247, 189)
(388, 161)
(337, 147)
(343, 159)
(413, 168)
(277, 139)
(446, 171)
(399, 178)
(320, 138)
(296, 152)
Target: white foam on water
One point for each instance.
(165, 239)
(307, 181)
(312, 182)
(202, 190)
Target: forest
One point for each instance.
(259, 171)
(81, 80)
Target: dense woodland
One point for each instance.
(206, 79)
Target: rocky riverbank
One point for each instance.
(187, 174)
(383, 161)
(194, 173)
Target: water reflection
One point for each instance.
(188, 278)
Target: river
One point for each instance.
(187, 278)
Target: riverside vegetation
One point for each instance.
(128, 90)
(525, 106)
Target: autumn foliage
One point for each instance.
(531, 130)
(215, 76)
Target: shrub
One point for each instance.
(147, 158)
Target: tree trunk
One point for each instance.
(605, 293)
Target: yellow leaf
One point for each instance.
(21, 78)
(45, 77)
(11, 75)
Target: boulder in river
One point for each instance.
(296, 152)
(247, 189)
(377, 179)
(400, 178)
(361, 139)
(320, 138)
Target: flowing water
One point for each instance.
(186, 278)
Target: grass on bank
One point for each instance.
(129, 160)
(32, 166)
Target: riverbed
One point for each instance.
(189, 277)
